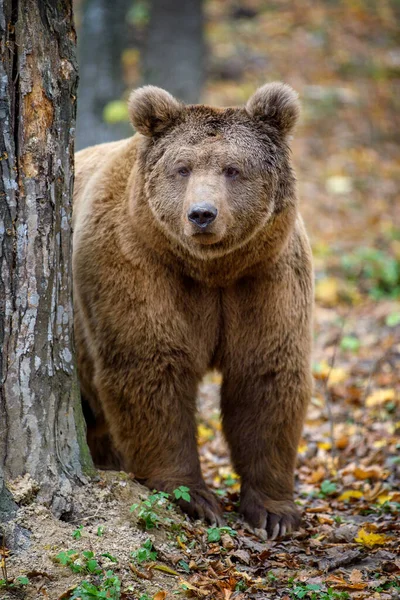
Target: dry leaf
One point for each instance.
(317, 475)
(355, 576)
(327, 291)
(350, 494)
(160, 596)
(370, 539)
(379, 397)
(372, 472)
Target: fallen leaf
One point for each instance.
(350, 494)
(370, 539)
(355, 576)
(163, 569)
(379, 397)
(327, 291)
(372, 472)
(317, 475)
(160, 596)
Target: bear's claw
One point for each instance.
(202, 505)
(269, 518)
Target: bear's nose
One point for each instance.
(202, 214)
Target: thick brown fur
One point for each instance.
(158, 301)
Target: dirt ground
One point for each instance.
(344, 59)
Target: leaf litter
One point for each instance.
(347, 479)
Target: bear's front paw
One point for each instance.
(269, 518)
(202, 505)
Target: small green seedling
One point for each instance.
(108, 587)
(214, 533)
(84, 563)
(145, 553)
(328, 488)
(147, 509)
(182, 492)
(77, 534)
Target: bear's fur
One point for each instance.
(161, 296)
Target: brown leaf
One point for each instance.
(143, 575)
(160, 596)
(372, 472)
(242, 555)
(355, 576)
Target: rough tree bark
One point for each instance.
(41, 425)
(174, 53)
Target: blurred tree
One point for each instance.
(102, 37)
(41, 425)
(174, 50)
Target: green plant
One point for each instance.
(182, 492)
(350, 342)
(108, 587)
(184, 566)
(377, 271)
(147, 509)
(214, 533)
(145, 553)
(314, 591)
(387, 585)
(84, 563)
(327, 488)
(20, 581)
(241, 586)
(100, 531)
(110, 557)
(77, 534)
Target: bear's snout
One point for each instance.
(202, 215)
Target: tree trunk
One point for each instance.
(174, 53)
(41, 424)
(103, 36)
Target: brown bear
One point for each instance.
(190, 255)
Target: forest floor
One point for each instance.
(344, 59)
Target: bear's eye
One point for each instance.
(231, 172)
(184, 172)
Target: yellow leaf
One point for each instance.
(163, 569)
(324, 445)
(379, 397)
(370, 539)
(380, 443)
(204, 433)
(335, 374)
(327, 291)
(372, 472)
(302, 448)
(385, 497)
(350, 494)
(160, 596)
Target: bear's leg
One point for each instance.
(266, 389)
(150, 409)
(262, 420)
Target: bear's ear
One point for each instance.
(276, 104)
(152, 109)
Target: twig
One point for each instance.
(327, 392)
(74, 521)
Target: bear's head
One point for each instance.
(213, 177)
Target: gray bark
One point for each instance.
(175, 52)
(41, 425)
(102, 37)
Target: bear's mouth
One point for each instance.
(205, 238)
